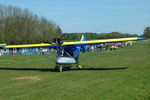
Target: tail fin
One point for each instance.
(83, 38)
(83, 48)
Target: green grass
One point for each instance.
(123, 74)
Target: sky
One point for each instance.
(99, 16)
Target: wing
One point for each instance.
(77, 43)
(94, 42)
(31, 45)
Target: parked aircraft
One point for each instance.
(68, 52)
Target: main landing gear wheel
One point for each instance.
(79, 66)
(59, 68)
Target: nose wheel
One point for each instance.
(59, 68)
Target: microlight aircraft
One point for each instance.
(68, 52)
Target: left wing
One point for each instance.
(77, 43)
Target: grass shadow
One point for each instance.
(53, 70)
(31, 69)
(101, 69)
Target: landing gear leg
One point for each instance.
(59, 68)
(79, 66)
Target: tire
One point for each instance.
(59, 68)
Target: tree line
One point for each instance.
(21, 26)
(146, 32)
(91, 36)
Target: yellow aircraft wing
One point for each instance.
(77, 43)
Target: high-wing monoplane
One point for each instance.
(68, 52)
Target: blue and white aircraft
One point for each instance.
(68, 52)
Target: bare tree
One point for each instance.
(20, 26)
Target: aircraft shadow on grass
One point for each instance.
(53, 70)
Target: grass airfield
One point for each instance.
(123, 74)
